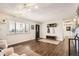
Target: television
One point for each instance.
(53, 25)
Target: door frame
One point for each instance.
(37, 32)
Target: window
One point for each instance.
(12, 26)
(27, 28)
(18, 27)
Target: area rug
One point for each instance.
(30, 52)
(50, 41)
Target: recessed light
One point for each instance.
(36, 7)
(29, 9)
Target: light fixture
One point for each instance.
(36, 7)
(28, 6)
(29, 9)
(74, 20)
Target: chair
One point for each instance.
(8, 51)
(3, 44)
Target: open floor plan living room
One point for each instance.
(39, 29)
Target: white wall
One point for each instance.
(15, 38)
(69, 23)
(68, 33)
(58, 29)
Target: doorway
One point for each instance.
(37, 36)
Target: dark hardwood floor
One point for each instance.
(43, 49)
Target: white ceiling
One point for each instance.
(45, 12)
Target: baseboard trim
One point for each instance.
(19, 43)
